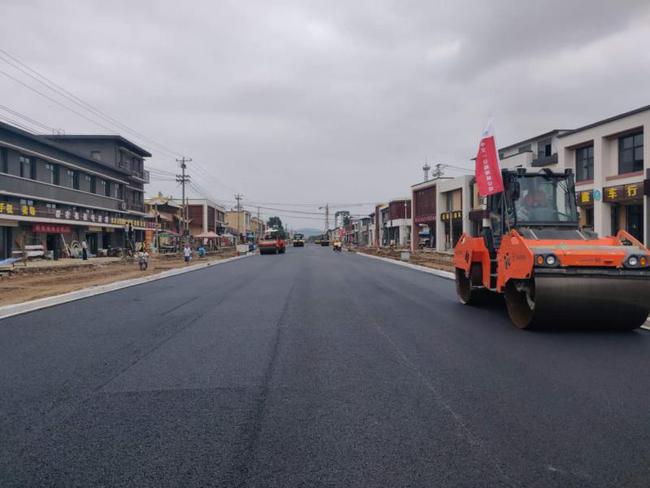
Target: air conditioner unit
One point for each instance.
(122, 205)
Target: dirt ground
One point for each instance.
(24, 286)
(430, 259)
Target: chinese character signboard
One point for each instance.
(51, 229)
(585, 198)
(455, 215)
(623, 193)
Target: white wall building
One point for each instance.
(612, 166)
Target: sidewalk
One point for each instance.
(41, 279)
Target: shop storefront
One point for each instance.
(626, 208)
(424, 215)
(585, 202)
(61, 230)
(453, 227)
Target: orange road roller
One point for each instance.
(550, 271)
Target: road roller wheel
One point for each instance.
(463, 287)
(520, 302)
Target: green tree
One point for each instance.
(276, 223)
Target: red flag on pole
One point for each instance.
(488, 172)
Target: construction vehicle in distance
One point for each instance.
(550, 271)
(272, 243)
(298, 240)
(325, 240)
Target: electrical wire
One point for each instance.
(26, 118)
(45, 81)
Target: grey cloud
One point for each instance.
(306, 101)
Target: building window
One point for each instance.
(93, 184)
(585, 163)
(27, 168)
(630, 153)
(107, 188)
(116, 190)
(51, 174)
(96, 155)
(75, 180)
(102, 187)
(68, 178)
(4, 160)
(50, 205)
(544, 149)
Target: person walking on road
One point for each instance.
(84, 250)
(187, 253)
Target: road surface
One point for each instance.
(314, 369)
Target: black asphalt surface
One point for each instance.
(314, 369)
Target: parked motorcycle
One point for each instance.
(143, 260)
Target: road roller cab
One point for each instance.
(550, 271)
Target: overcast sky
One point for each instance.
(313, 102)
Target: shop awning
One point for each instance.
(207, 235)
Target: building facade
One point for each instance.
(203, 215)
(239, 221)
(57, 191)
(612, 170)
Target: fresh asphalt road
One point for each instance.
(314, 369)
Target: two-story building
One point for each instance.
(56, 190)
(612, 169)
(203, 215)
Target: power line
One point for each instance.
(45, 81)
(26, 118)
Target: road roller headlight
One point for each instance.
(548, 260)
(637, 262)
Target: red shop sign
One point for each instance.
(52, 229)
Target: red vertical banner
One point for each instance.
(488, 172)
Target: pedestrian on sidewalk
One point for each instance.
(84, 250)
(187, 253)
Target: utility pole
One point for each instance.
(259, 229)
(327, 216)
(438, 172)
(238, 197)
(183, 179)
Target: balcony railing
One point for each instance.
(545, 160)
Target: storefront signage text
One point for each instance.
(51, 229)
(622, 193)
(455, 215)
(12, 209)
(585, 198)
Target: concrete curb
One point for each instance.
(437, 272)
(32, 305)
